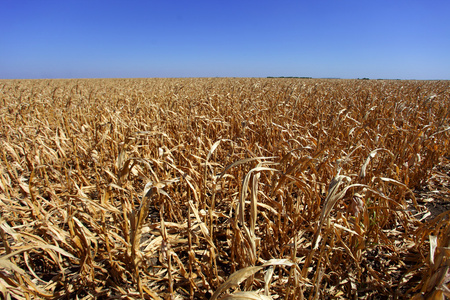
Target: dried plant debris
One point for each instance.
(224, 189)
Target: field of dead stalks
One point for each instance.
(224, 189)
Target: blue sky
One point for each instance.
(324, 38)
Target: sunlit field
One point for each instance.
(224, 189)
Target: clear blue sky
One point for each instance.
(407, 39)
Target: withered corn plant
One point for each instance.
(224, 189)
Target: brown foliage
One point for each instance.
(232, 188)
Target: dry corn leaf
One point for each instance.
(235, 279)
(433, 245)
(246, 296)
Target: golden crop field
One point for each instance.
(222, 188)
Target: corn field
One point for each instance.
(224, 188)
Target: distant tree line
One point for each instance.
(289, 77)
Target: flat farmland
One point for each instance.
(224, 188)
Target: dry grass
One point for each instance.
(224, 189)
